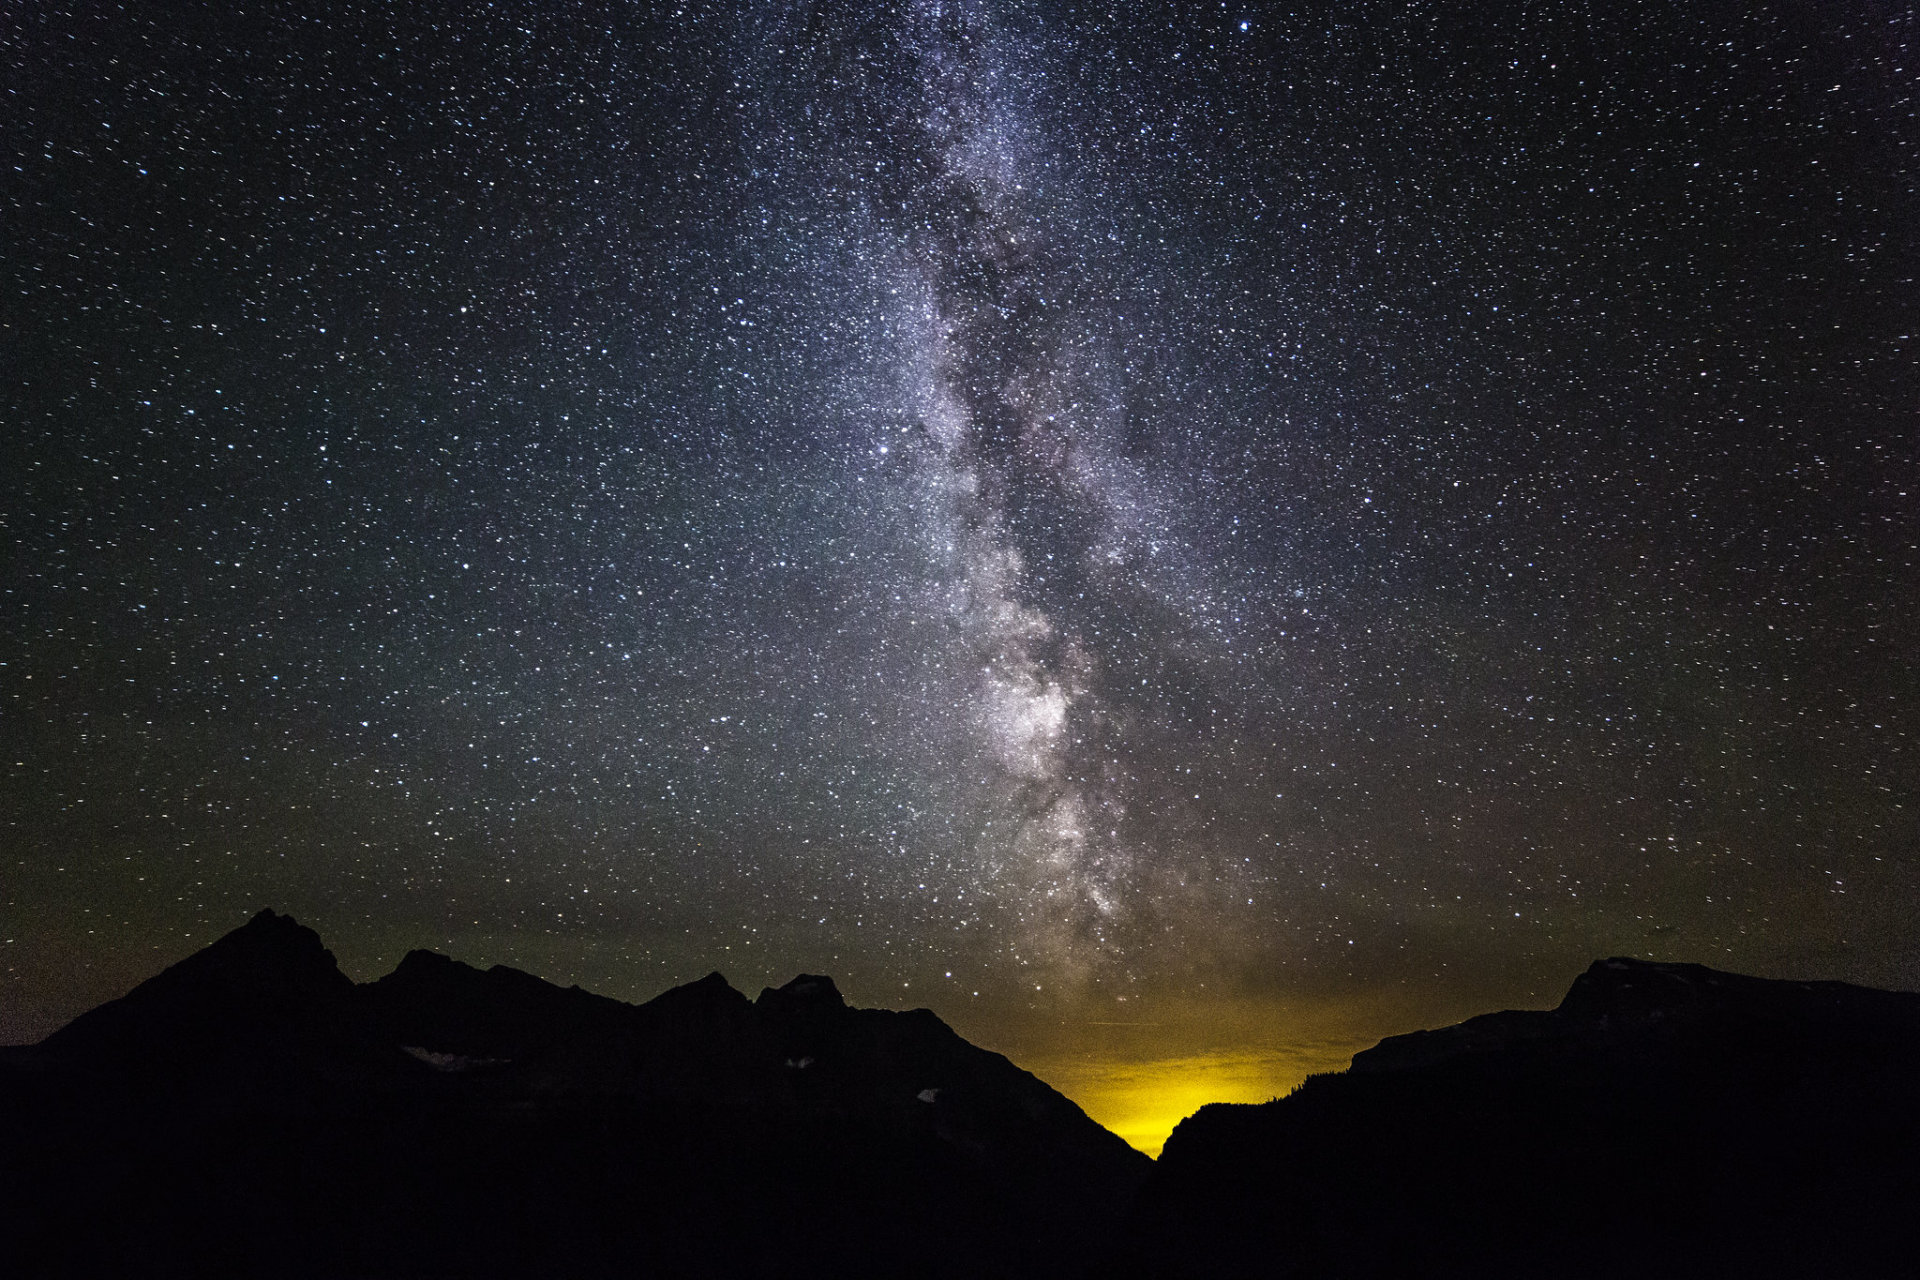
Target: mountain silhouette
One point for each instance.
(445, 1007)
(251, 1111)
(1664, 1120)
(264, 1009)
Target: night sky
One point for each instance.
(1183, 538)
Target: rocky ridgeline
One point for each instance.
(252, 1104)
(250, 1111)
(1664, 1120)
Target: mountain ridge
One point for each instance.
(1662, 1120)
(247, 1100)
(249, 1110)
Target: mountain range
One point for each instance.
(252, 1111)
(1665, 1120)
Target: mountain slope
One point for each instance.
(264, 1006)
(1664, 1120)
(250, 1111)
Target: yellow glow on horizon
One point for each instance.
(1142, 1101)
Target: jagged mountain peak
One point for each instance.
(450, 1120)
(421, 960)
(270, 981)
(710, 993)
(268, 947)
(435, 1003)
(807, 990)
(271, 961)
(422, 968)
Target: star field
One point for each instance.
(1040, 510)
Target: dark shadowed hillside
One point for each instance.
(251, 1111)
(1665, 1120)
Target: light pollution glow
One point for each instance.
(1054, 513)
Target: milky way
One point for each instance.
(1078, 516)
(1011, 428)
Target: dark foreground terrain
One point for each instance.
(251, 1111)
(1665, 1120)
